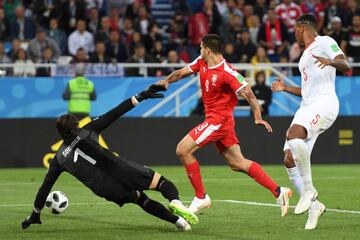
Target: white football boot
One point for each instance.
(305, 201)
(197, 204)
(315, 211)
(283, 200)
(178, 208)
(182, 225)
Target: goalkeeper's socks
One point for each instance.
(167, 189)
(260, 176)
(194, 175)
(156, 209)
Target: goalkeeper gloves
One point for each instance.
(34, 218)
(151, 92)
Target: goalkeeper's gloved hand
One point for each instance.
(151, 92)
(34, 218)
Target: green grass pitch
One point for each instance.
(90, 217)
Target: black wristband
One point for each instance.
(140, 96)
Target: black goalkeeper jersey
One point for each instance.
(99, 169)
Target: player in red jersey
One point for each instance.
(220, 84)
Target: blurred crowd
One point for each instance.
(113, 31)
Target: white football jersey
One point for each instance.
(317, 82)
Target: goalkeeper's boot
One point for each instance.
(197, 204)
(315, 211)
(178, 208)
(182, 225)
(283, 200)
(305, 201)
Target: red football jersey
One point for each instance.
(219, 85)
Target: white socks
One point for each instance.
(296, 179)
(301, 154)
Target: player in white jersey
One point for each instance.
(318, 110)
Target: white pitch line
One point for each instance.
(221, 201)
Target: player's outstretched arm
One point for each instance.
(175, 76)
(278, 85)
(49, 181)
(249, 96)
(102, 122)
(339, 62)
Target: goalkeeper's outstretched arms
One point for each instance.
(102, 122)
(49, 180)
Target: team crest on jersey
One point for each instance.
(214, 79)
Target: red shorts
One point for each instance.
(223, 134)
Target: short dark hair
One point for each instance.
(308, 19)
(66, 124)
(212, 41)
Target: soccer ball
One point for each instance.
(57, 202)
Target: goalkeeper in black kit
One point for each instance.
(107, 175)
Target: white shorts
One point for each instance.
(315, 118)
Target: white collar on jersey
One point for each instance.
(217, 65)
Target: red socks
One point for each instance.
(259, 174)
(194, 175)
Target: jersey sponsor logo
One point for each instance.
(71, 146)
(335, 48)
(214, 79)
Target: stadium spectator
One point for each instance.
(316, 8)
(140, 56)
(352, 44)
(79, 93)
(127, 32)
(158, 52)
(214, 17)
(229, 53)
(71, 11)
(245, 49)
(337, 32)
(93, 22)
(102, 35)
(99, 56)
(15, 46)
(289, 11)
(116, 19)
(136, 38)
(47, 57)
(23, 67)
(9, 7)
(80, 38)
(143, 21)
(262, 92)
(57, 35)
(223, 9)
(233, 32)
(234, 10)
(353, 7)
(260, 57)
(333, 8)
(273, 36)
(3, 27)
(45, 10)
(254, 29)
(248, 11)
(22, 27)
(172, 57)
(39, 43)
(100, 5)
(3, 57)
(80, 57)
(154, 34)
(115, 49)
(260, 8)
(177, 31)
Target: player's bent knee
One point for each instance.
(288, 159)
